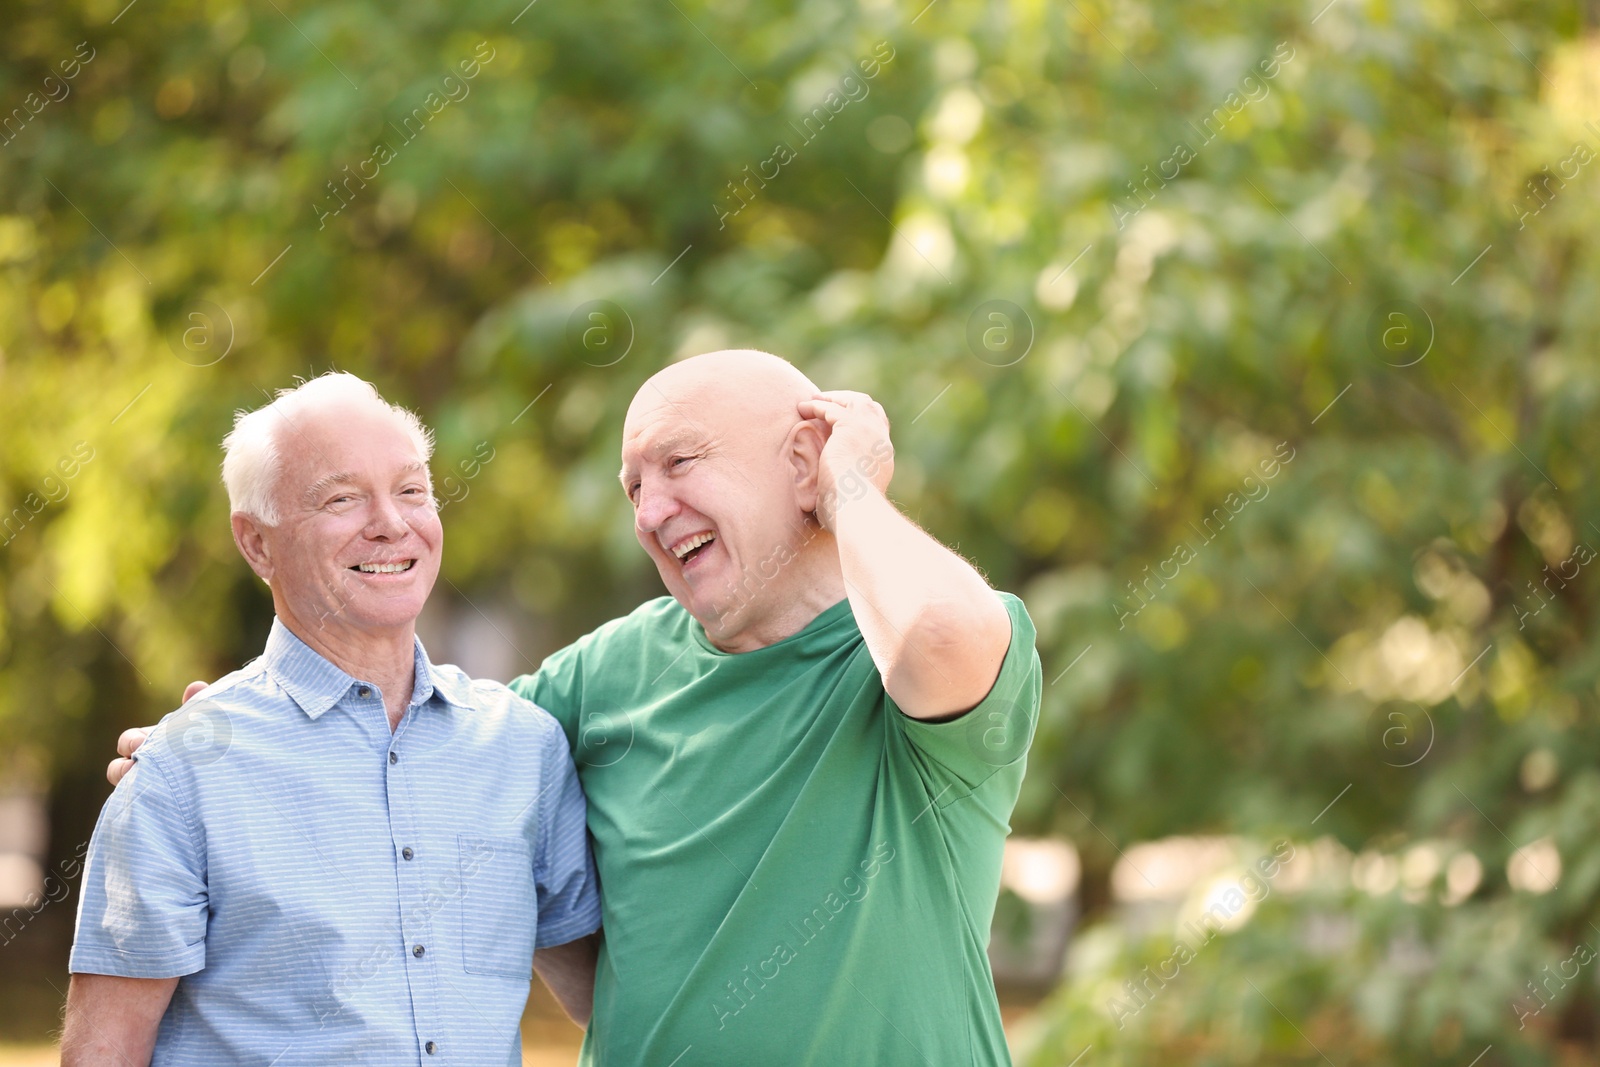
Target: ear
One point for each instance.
(804, 449)
(249, 533)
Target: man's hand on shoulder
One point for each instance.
(130, 740)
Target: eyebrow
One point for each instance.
(322, 485)
(671, 443)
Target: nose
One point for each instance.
(384, 521)
(655, 507)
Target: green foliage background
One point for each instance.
(1173, 338)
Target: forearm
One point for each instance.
(112, 1022)
(568, 972)
(935, 629)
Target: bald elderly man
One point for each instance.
(800, 765)
(343, 853)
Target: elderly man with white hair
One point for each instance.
(342, 853)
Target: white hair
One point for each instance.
(252, 458)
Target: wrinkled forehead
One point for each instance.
(344, 442)
(655, 426)
(687, 409)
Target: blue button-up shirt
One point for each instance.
(329, 891)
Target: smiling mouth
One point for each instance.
(691, 548)
(398, 567)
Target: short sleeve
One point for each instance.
(557, 687)
(563, 869)
(144, 905)
(998, 731)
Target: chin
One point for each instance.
(712, 615)
(687, 600)
(386, 614)
(383, 622)
(719, 619)
(691, 603)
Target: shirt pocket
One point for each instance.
(499, 908)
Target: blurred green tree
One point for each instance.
(1253, 346)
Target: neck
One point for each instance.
(811, 583)
(385, 657)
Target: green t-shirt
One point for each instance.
(792, 871)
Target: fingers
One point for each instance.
(130, 741)
(847, 398)
(827, 419)
(833, 404)
(836, 402)
(843, 396)
(127, 744)
(116, 769)
(191, 689)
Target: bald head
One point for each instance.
(721, 469)
(757, 388)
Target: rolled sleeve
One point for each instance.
(568, 888)
(998, 732)
(144, 905)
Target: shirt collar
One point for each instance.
(317, 685)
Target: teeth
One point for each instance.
(384, 568)
(693, 543)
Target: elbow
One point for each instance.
(940, 629)
(970, 634)
(952, 657)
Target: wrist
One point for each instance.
(835, 502)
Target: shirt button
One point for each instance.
(417, 951)
(406, 853)
(394, 757)
(431, 1047)
(365, 691)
